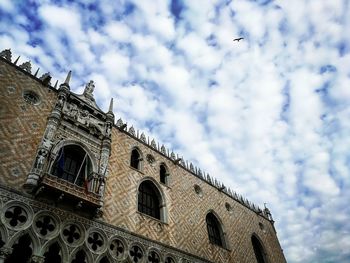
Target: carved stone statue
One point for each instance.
(89, 88)
(40, 159)
(60, 101)
(73, 111)
(108, 129)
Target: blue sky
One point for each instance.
(269, 116)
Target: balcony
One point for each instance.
(72, 196)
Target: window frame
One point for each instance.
(215, 231)
(72, 165)
(139, 165)
(163, 216)
(166, 174)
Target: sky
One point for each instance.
(269, 116)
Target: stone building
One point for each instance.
(78, 186)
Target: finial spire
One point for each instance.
(16, 60)
(69, 75)
(55, 87)
(111, 106)
(36, 72)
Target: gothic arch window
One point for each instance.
(215, 232)
(53, 254)
(163, 174)
(22, 250)
(149, 200)
(135, 159)
(259, 251)
(72, 164)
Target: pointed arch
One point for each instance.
(34, 239)
(22, 250)
(105, 258)
(215, 229)
(151, 199)
(56, 150)
(73, 162)
(259, 250)
(164, 176)
(81, 255)
(62, 245)
(136, 158)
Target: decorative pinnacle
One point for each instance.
(55, 87)
(36, 72)
(69, 75)
(111, 106)
(16, 60)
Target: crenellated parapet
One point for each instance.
(79, 114)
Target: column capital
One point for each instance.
(37, 259)
(5, 252)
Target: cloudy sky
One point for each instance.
(269, 116)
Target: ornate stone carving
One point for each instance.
(6, 53)
(132, 131)
(37, 259)
(121, 243)
(26, 66)
(108, 129)
(153, 144)
(117, 248)
(46, 78)
(5, 252)
(162, 149)
(119, 122)
(40, 159)
(89, 89)
(72, 234)
(143, 137)
(136, 254)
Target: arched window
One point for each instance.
(214, 230)
(149, 199)
(135, 160)
(163, 174)
(72, 164)
(53, 254)
(259, 252)
(21, 251)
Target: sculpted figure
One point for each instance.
(40, 159)
(89, 88)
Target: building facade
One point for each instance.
(77, 185)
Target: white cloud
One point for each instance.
(256, 114)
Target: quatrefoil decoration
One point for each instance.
(45, 225)
(117, 248)
(136, 254)
(95, 241)
(153, 257)
(71, 233)
(16, 216)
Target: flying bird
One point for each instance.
(238, 39)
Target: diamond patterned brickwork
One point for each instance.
(22, 127)
(186, 227)
(22, 123)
